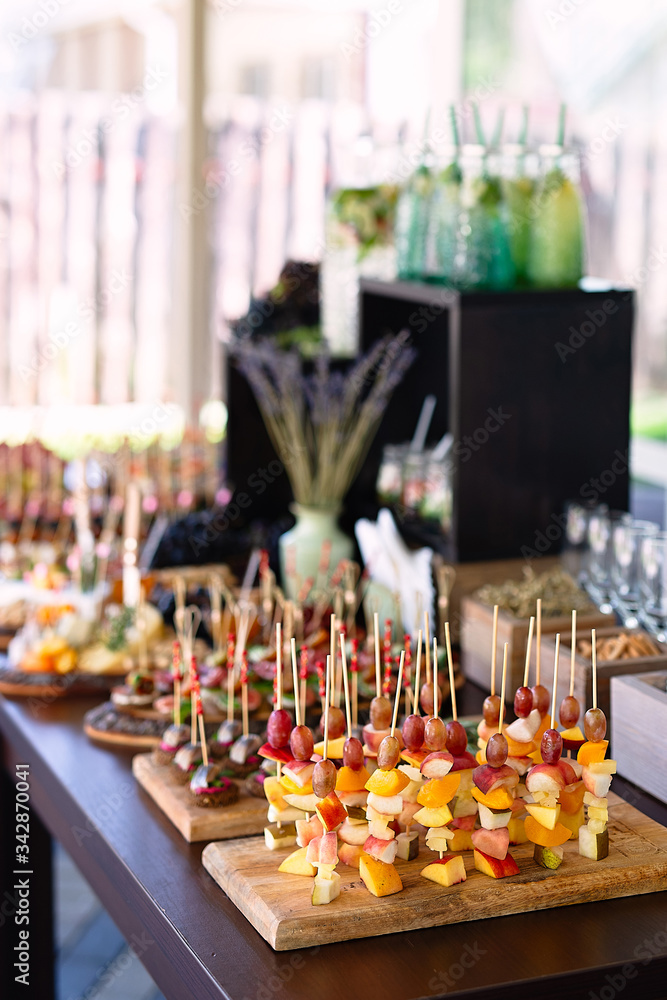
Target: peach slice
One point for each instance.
(495, 843)
(446, 872)
(297, 864)
(493, 866)
(596, 784)
(331, 811)
(299, 773)
(380, 879)
(349, 780)
(517, 748)
(499, 798)
(354, 832)
(517, 831)
(464, 762)
(573, 738)
(349, 854)
(461, 841)
(387, 783)
(437, 764)
(571, 797)
(488, 778)
(323, 850)
(545, 778)
(545, 838)
(439, 791)
(307, 830)
(381, 850)
(591, 753)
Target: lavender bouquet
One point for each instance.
(322, 424)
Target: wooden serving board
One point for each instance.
(279, 908)
(242, 819)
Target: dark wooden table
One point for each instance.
(197, 946)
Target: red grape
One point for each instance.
(496, 750)
(380, 713)
(457, 738)
(279, 727)
(435, 734)
(413, 732)
(336, 722)
(569, 711)
(541, 699)
(523, 702)
(389, 753)
(324, 778)
(426, 697)
(595, 725)
(491, 710)
(301, 743)
(552, 746)
(353, 754)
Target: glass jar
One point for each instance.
(482, 259)
(414, 482)
(436, 502)
(390, 477)
(556, 245)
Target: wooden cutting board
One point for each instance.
(242, 819)
(279, 908)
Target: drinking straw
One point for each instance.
(498, 130)
(456, 139)
(560, 138)
(423, 424)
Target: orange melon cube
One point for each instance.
(571, 797)
(439, 791)
(387, 783)
(516, 749)
(592, 753)
(499, 798)
(349, 780)
(379, 878)
(538, 834)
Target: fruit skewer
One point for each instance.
(495, 783)
(596, 774)
(351, 785)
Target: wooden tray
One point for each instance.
(242, 819)
(279, 908)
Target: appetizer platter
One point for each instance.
(413, 819)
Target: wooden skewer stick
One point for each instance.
(415, 700)
(231, 677)
(436, 689)
(355, 692)
(376, 631)
(427, 647)
(450, 667)
(244, 701)
(526, 669)
(573, 650)
(343, 662)
(502, 689)
(397, 697)
(202, 731)
(538, 640)
(327, 690)
(279, 666)
(337, 676)
(295, 676)
(594, 665)
(494, 649)
(553, 698)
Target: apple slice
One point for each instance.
(386, 805)
(546, 816)
(415, 758)
(297, 864)
(517, 831)
(437, 837)
(493, 866)
(381, 850)
(325, 890)
(287, 815)
(408, 846)
(437, 764)
(304, 803)
(520, 764)
(380, 879)
(487, 778)
(352, 799)
(596, 784)
(447, 871)
(299, 771)
(568, 772)
(485, 732)
(380, 829)
(433, 817)
(307, 830)
(545, 778)
(331, 811)
(461, 841)
(281, 754)
(493, 820)
(524, 730)
(349, 854)
(495, 843)
(353, 832)
(602, 767)
(464, 762)
(593, 845)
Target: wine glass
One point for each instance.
(625, 568)
(653, 584)
(598, 582)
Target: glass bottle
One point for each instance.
(556, 252)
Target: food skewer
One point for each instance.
(450, 667)
(427, 648)
(295, 677)
(348, 710)
(244, 693)
(494, 650)
(397, 697)
(303, 676)
(416, 710)
(354, 666)
(199, 709)
(538, 639)
(376, 632)
(231, 676)
(176, 675)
